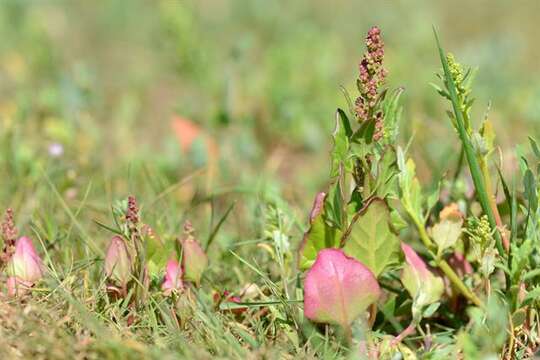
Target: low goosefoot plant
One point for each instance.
(472, 253)
(135, 256)
(20, 260)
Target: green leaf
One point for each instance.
(320, 235)
(518, 317)
(529, 183)
(446, 233)
(534, 147)
(157, 255)
(335, 204)
(520, 258)
(424, 287)
(430, 310)
(364, 132)
(344, 122)
(340, 150)
(386, 179)
(411, 195)
(531, 296)
(370, 239)
(392, 113)
(397, 221)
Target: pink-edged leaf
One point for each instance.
(412, 259)
(194, 260)
(338, 288)
(422, 284)
(25, 263)
(24, 268)
(118, 263)
(173, 278)
(318, 205)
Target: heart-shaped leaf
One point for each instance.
(371, 240)
(446, 233)
(338, 289)
(321, 234)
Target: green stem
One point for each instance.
(492, 202)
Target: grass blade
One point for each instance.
(474, 166)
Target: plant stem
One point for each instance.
(409, 330)
(492, 202)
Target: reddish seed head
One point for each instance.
(9, 231)
(370, 78)
(132, 214)
(9, 234)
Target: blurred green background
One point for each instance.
(88, 90)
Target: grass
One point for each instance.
(260, 86)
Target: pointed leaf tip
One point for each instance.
(194, 260)
(24, 268)
(424, 287)
(118, 263)
(320, 235)
(25, 263)
(173, 278)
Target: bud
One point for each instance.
(194, 259)
(118, 265)
(24, 268)
(173, 278)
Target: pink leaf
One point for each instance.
(173, 278)
(338, 288)
(25, 262)
(422, 284)
(118, 264)
(24, 268)
(318, 205)
(194, 259)
(418, 265)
